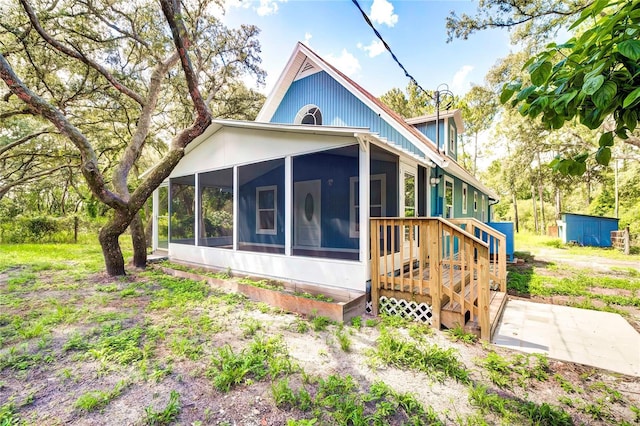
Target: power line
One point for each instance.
(384, 43)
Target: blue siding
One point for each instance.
(588, 230)
(339, 107)
(429, 130)
(247, 207)
(437, 198)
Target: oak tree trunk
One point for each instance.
(139, 242)
(108, 237)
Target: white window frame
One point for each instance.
(453, 198)
(353, 217)
(475, 201)
(406, 169)
(483, 210)
(452, 140)
(267, 231)
(304, 111)
(465, 191)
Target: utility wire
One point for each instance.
(406, 73)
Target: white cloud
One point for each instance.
(346, 62)
(459, 84)
(267, 7)
(382, 13)
(374, 49)
(307, 39)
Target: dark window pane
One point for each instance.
(267, 219)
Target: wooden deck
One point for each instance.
(413, 267)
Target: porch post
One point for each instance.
(288, 204)
(198, 212)
(236, 197)
(363, 188)
(155, 212)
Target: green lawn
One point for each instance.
(79, 347)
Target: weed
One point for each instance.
(565, 384)
(356, 322)
(111, 288)
(320, 323)
(186, 347)
(516, 411)
(371, 322)
(95, 400)
(167, 415)
(129, 292)
(458, 334)
(76, 342)
(286, 397)
(119, 346)
(394, 321)
(300, 326)
(263, 357)
(8, 416)
(431, 359)
(636, 410)
(344, 340)
(250, 326)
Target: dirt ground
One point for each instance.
(46, 391)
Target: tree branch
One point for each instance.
(20, 141)
(89, 167)
(79, 56)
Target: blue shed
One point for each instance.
(507, 229)
(586, 230)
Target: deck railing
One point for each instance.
(431, 260)
(497, 242)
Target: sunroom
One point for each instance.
(283, 201)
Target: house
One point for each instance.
(291, 195)
(586, 230)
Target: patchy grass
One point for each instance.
(79, 347)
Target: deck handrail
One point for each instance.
(498, 270)
(400, 254)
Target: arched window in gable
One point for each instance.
(309, 115)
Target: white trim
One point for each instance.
(465, 197)
(288, 204)
(475, 201)
(413, 171)
(321, 249)
(304, 111)
(267, 231)
(483, 215)
(452, 144)
(236, 207)
(155, 207)
(447, 179)
(196, 208)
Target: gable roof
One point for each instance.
(428, 118)
(304, 61)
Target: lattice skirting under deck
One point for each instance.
(406, 308)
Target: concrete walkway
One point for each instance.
(598, 339)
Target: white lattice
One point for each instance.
(369, 307)
(406, 309)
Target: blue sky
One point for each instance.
(335, 29)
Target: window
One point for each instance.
(464, 198)
(475, 201)
(448, 198)
(409, 194)
(309, 115)
(216, 208)
(483, 210)
(182, 209)
(266, 209)
(377, 201)
(452, 140)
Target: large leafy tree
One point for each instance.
(113, 76)
(594, 77)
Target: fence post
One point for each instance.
(627, 241)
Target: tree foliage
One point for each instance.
(595, 76)
(117, 78)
